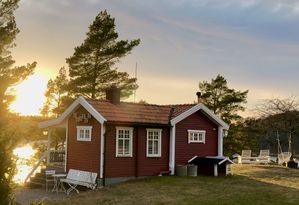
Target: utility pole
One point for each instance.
(135, 81)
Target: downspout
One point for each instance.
(172, 150)
(220, 141)
(102, 152)
(66, 144)
(104, 157)
(136, 150)
(171, 144)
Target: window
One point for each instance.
(124, 138)
(196, 136)
(153, 143)
(84, 133)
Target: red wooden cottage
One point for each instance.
(120, 140)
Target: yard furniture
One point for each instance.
(49, 177)
(78, 177)
(246, 157)
(264, 156)
(58, 185)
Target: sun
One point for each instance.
(29, 95)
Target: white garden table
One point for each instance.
(58, 185)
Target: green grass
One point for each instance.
(256, 185)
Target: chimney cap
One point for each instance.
(198, 97)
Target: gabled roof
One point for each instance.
(132, 112)
(210, 160)
(80, 101)
(196, 108)
(103, 110)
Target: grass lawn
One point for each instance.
(251, 184)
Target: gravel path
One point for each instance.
(26, 195)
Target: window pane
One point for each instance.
(126, 146)
(195, 136)
(120, 146)
(87, 134)
(156, 148)
(120, 133)
(81, 134)
(200, 137)
(150, 135)
(156, 135)
(150, 147)
(127, 134)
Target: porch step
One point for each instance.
(39, 179)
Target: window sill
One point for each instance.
(80, 140)
(123, 156)
(153, 156)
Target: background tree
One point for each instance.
(57, 95)
(227, 103)
(223, 101)
(9, 76)
(91, 66)
(279, 116)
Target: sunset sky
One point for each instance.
(252, 43)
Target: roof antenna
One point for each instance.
(135, 82)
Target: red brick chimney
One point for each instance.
(113, 94)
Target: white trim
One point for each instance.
(190, 160)
(130, 129)
(194, 109)
(79, 101)
(49, 145)
(215, 170)
(66, 139)
(84, 128)
(202, 141)
(224, 160)
(172, 150)
(159, 142)
(220, 141)
(102, 150)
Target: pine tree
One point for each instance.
(57, 96)
(9, 76)
(91, 66)
(223, 101)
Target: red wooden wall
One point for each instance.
(185, 151)
(83, 155)
(139, 164)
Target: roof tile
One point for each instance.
(138, 113)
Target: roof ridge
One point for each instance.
(145, 104)
(184, 104)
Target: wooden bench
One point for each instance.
(78, 177)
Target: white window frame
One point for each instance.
(191, 140)
(159, 142)
(84, 128)
(130, 129)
